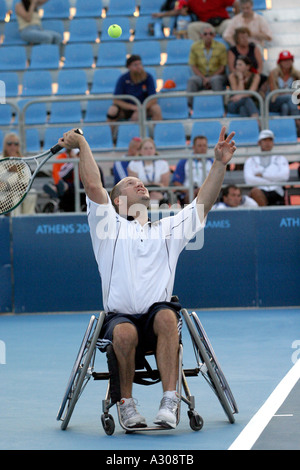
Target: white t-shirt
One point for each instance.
(149, 173)
(137, 263)
(273, 168)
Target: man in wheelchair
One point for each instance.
(137, 262)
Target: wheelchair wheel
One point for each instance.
(209, 366)
(82, 370)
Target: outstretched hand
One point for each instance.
(225, 148)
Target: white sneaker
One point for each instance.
(129, 415)
(167, 414)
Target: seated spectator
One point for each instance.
(208, 59)
(181, 175)
(231, 197)
(258, 26)
(138, 83)
(12, 148)
(153, 172)
(62, 192)
(282, 77)
(30, 25)
(243, 78)
(265, 172)
(202, 13)
(120, 167)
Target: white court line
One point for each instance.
(247, 438)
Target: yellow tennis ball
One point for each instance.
(114, 31)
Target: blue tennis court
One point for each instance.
(256, 349)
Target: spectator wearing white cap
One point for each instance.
(282, 77)
(265, 171)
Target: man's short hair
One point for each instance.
(132, 58)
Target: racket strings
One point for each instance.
(15, 176)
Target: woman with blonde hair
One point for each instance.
(152, 172)
(11, 148)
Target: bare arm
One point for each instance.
(26, 15)
(88, 168)
(212, 185)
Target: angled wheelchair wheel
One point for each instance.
(82, 370)
(209, 366)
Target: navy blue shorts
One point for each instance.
(143, 323)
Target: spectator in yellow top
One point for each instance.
(208, 59)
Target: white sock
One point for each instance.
(125, 401)
(170, 394)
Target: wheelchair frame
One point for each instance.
(207, 366)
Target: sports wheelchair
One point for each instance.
(206, 365)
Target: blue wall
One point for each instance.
(249, 259)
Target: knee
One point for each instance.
(165, 322)
(125, 336)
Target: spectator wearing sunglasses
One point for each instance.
(11, 148)
(208, 60)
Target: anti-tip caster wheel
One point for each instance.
(196, 422)
(108, 424)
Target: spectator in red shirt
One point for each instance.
(213, 12)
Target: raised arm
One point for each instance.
(88, 169)
(211, 187)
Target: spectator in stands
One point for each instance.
(181, 174)
(257, 25)
(208, 59)
(202, 12)
(138, 83)
(11, 148)
(152, 172)
(243, 78)
(282, 77)
(62, 192)
(231, 197)
(30, 25)
(265, 172)
(120, 167)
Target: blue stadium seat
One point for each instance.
(111, 54)
(125, 133)
(52, 134)
(35, 113)
(44, 57)
(169, 135)
(37, 83)
(65, 111)
(88, 9)
(121, 21)
(104, 80)
(210, 129)
(99, 137)
(120, 8)
(178, 51)
(246, 131)
(208, 107)
(141, 31)
(54, 25)
(13, 58)
(148, 7)
(259, 5)
(56, 9)
(174, 108)
(11, 35)
(179, 75)
(285, 130)
(83, 30)
(5, 114)
(96, 110)
(11, 81)
(33, 144)
(1, 139)
(148, 50)
(3, 10)
(72, 82)
(78, 56)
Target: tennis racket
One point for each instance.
(16, 177)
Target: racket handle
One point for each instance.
(57, 148)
